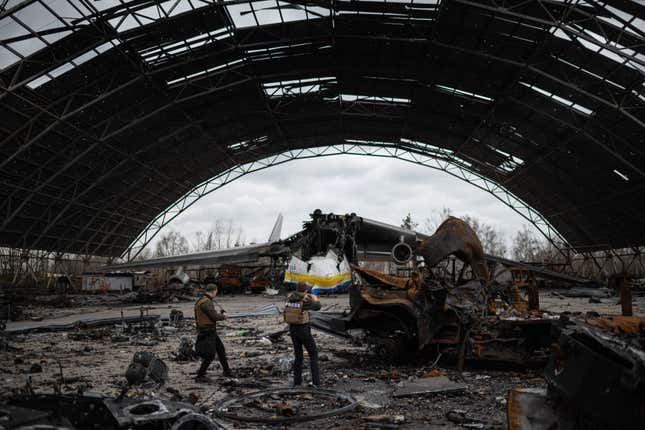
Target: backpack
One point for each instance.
(295, 313)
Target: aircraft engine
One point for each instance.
(401, 253)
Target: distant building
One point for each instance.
(108, 281)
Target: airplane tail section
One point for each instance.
(277, 230)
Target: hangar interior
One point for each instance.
(114, 111)
(116, 116)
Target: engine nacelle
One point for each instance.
(401, 253)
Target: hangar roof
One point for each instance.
(111, 110)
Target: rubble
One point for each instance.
(354, 368)
(82, 412)
(313, 404)
(146, 366)
(438, 384)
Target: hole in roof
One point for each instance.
(72, 64)
(27, 47)
(425, 147)
(245, 145)
(560, 100)
(161, 53)
(371, 99)
(588, 72)
(36, 17)
(462, 93)
(204, 73)
(600, 44)
(7, 58)
(297, 86)
(623, 20)
(73, 10)
(420, 147)
(127, 19)
(510, 163)
(621, 175)
(266, 12)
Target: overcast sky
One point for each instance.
(376, 188)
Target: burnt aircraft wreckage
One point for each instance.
(424, 309)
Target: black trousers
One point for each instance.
(301, 336)
(207, 345)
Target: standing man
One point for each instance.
(296, 314)
(208, 342)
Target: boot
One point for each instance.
(203, 379)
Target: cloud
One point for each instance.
(377, 188)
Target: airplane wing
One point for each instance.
(378, 237)
(240, 254)
(236, 255)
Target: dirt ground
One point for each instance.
(98, 365)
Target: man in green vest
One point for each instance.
(296, 314)
(208, 342)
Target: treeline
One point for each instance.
(222, 234)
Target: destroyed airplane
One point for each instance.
(304, 256)
(461, 312)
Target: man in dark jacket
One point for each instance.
(296, 314)
(208, 342)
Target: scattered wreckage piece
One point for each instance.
(600, 293)
(83, 412)
(595, 376)
(145, 366)
(437, 384)
(14, 417)
(262, 311)
(530, 409)
(600, 373)
(86, 323)
(196, 422)
(343, 401)
(186, 350)
(133, 412)
(473, 320)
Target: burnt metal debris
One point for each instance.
(467, 315)
(595, 376)
(146, 366)
(74, 412)
(335, 402)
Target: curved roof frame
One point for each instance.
(607, 31)
(416, 153)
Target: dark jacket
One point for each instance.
(308, 304)
(206, 316)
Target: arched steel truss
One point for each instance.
(107, 106)
(428, 156)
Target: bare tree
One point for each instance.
(491, 238)
(526, 246)
(144, 254)
(222, 234)
(431, 223)
(218, 232)
(230, 232)
(171, 243)
(240, 238)
(199, 242)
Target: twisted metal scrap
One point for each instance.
(222, 410)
